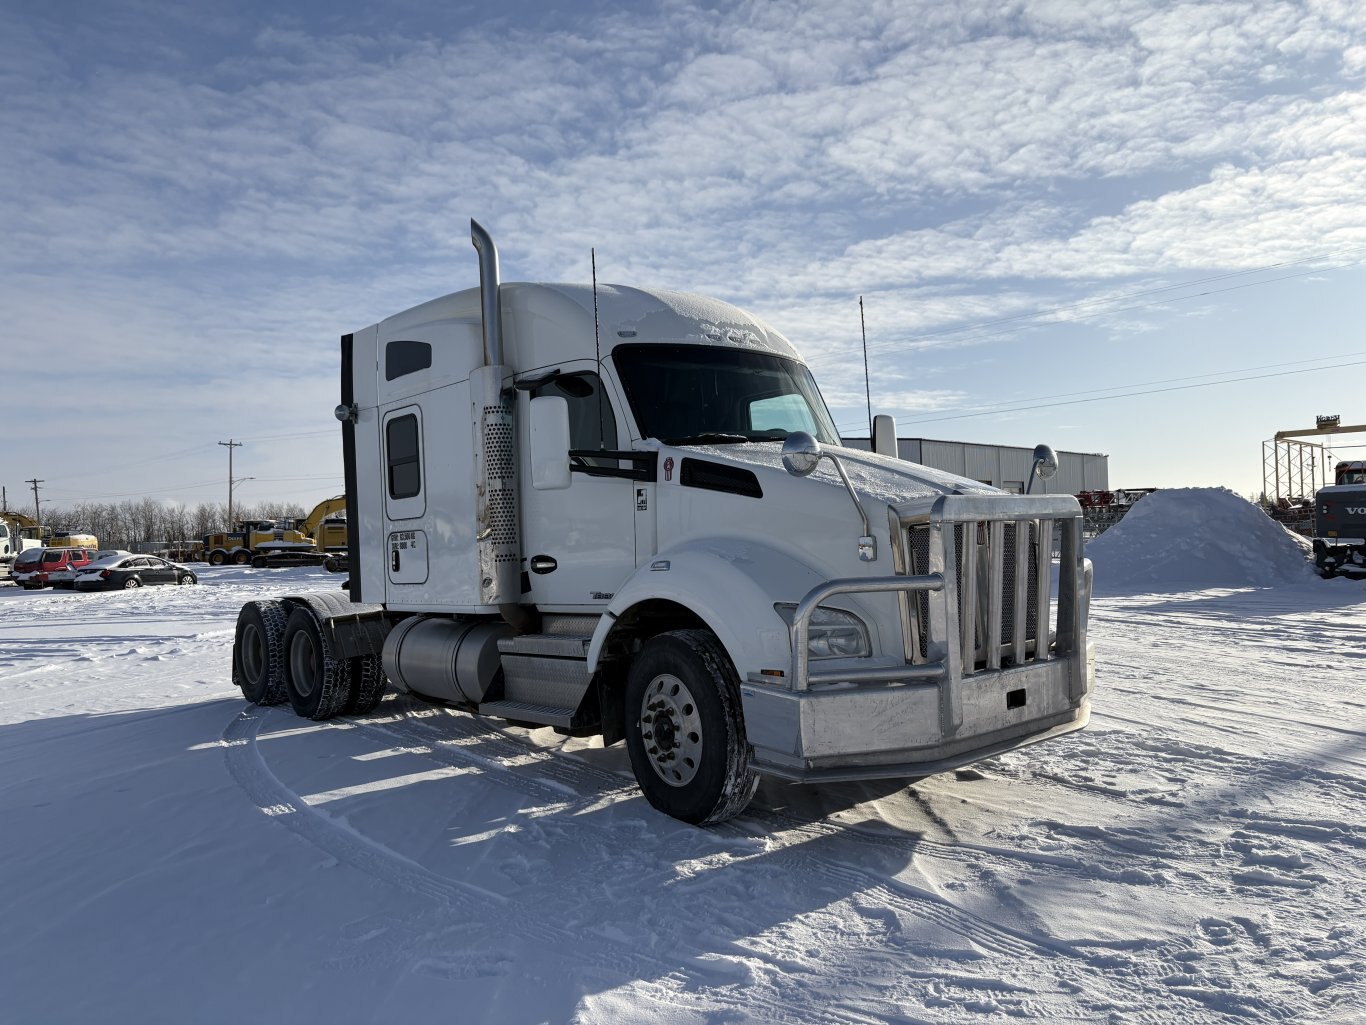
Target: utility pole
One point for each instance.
(37, 516)
(230, 445)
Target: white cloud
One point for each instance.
(177, 188)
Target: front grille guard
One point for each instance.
(1004, 584)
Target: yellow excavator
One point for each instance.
(322, 539)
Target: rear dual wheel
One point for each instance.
(318, 684)
(280, 654)
(258, 652)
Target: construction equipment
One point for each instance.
(324, 528)
(1340, 522)
(253, 538)
(18, 533)
(67, 538)
(626, 512)
(1101, 510)
(1332, 515)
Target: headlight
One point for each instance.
(831, 633)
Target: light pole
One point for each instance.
(231, 483)
(230, 445)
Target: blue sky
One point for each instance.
(1040, 203)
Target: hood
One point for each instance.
(881, 478)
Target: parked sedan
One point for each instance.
(129, 571)
(66, 576)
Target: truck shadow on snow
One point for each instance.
(545, 857)
(462, 866)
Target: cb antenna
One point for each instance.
(597, 345)
(867, 388)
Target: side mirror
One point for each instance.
(801, 453)
(884, 435)
(549, 443)
(1045, 465)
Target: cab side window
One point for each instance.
(592, 424)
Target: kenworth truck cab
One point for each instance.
(626, 512)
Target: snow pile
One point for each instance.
(1194, 539)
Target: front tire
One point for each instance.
(258, 652)
(186, 578)
(218, 558)
(685, 730)
(318, 684)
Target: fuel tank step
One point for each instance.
(544, 670)
(525, 711)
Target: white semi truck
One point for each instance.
(626, 512)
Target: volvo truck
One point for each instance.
(626, 512)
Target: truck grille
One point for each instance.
(990, 558)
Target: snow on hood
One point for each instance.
(882, 478)
(1184, 539)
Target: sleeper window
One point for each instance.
(405, 473)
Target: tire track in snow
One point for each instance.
(794, 850)
(1111, 977)
(337, 839)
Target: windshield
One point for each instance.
(706, 394)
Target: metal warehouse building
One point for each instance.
(1004, 466)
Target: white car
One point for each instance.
(66, 577)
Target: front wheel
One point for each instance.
(186, 578)
(685, 730)
(218, 558)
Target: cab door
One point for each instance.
(579, 544)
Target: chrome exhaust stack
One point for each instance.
(490, 312)
(496, 503)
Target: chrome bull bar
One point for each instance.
(966, 592)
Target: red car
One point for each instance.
(31, 572)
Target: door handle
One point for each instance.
(393, 562)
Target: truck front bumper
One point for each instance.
(991, 661)
(893, 729)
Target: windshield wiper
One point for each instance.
(714, 438)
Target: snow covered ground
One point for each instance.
(169, 853)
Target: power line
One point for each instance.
(1106, 301)
(1126, 395)
(145, 461)
(140, 492)
(1007, 407)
